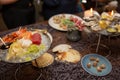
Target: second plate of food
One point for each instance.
(96, 65)
(62, 21)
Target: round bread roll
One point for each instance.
(43, 61)
(61, 48)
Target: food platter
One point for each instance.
(106, 24)
(57, 22)
(23, 50)
(96, 29)
(93, 69)
(105, 32)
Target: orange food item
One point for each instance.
(10, 37)
(21, 33)
(26, 35)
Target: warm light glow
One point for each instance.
(91, 10)
(84, 1)
(112, 12)
(88, 13)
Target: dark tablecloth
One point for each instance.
(61, 70)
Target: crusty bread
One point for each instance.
(71, 55)
(43, 61)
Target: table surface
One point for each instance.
(61, 70)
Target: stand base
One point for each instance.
(30, 71)
(26, 72)
(103, 49)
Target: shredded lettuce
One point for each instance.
(32, 49)
(68, 22)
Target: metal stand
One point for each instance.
(29, 70)
(98, 45)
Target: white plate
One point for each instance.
(57, 26)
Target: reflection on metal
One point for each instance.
(98, 43)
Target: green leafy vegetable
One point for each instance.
(68, 22)
(32, 49)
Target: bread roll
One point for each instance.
(43, 61)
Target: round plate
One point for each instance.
(57, 26)
(46, 41)
(102, 60)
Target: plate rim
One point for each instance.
(92, 72)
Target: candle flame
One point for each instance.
(84, 1)
(112, 12)
(91, 10)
